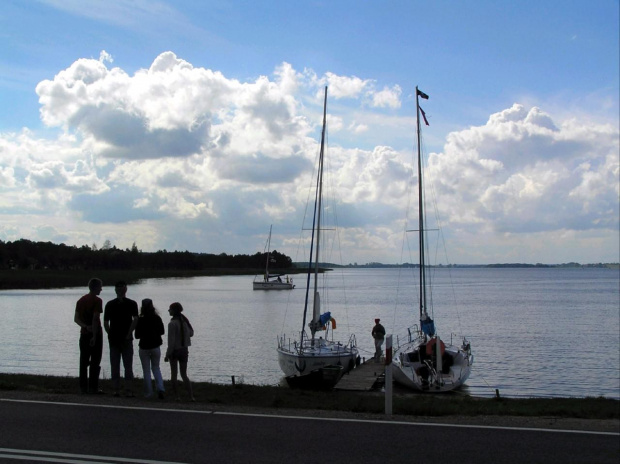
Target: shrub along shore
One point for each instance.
(282, 398)
(43, 278)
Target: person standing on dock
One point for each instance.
(120, 319)
(378, 333)
(88, 311)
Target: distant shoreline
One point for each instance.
(25, 279)
(22, 279)
(496, 265)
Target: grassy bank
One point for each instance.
(284, 398)
(39, 279)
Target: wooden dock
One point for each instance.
(366, 377)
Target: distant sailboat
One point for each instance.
(424, 361)
(310, 361)
(272, 281)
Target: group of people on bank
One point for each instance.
(122, 322)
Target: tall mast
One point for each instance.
(316, 227)
(268, 253)
(420, 212)
(316, 304)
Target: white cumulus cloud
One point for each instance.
(180, 156)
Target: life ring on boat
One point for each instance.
(430, 346)
(333, 321)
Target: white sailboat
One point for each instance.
(311, 361)
(424, 361)
(272, 281)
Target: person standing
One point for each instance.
(180, 332)
(88, 311)
(120, 319)
(149, 330)
(378, 333)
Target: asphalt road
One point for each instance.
(71, 433)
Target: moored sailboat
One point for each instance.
(272, 281)
(424, 361)
(311, 361)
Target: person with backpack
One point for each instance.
(180, 332)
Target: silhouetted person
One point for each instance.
(378, 333)
(149, 330)
(88, 311)
(120, 319)
(180, 332)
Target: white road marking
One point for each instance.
(49, 456)
(332, 419)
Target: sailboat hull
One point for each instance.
(322, 355)
(272, 285)
(413, 368)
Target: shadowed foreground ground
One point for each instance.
(594, 414)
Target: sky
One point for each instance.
(195, 125)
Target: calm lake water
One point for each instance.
(534, 332)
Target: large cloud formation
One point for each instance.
(182, 157)
(521, 173)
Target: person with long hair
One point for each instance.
(180, 332)
(149, 330)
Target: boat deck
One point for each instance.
(365, 377)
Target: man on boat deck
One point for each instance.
(378, 333)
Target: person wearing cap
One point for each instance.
(149, 331)
(378, 333)
(119, 320)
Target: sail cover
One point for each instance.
(324, 318)
(428, 326)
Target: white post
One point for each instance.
(438, 353)
(388, 375)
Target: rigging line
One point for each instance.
(300, 252)
(405, 241)
(485, 381)
(327, 248)
(442, 241)
(430, 276)
(317, 206)
(332, 205)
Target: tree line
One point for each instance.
(26, 254)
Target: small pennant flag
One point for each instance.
(422, 95)
(424, 116)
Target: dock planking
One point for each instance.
(365, 377)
